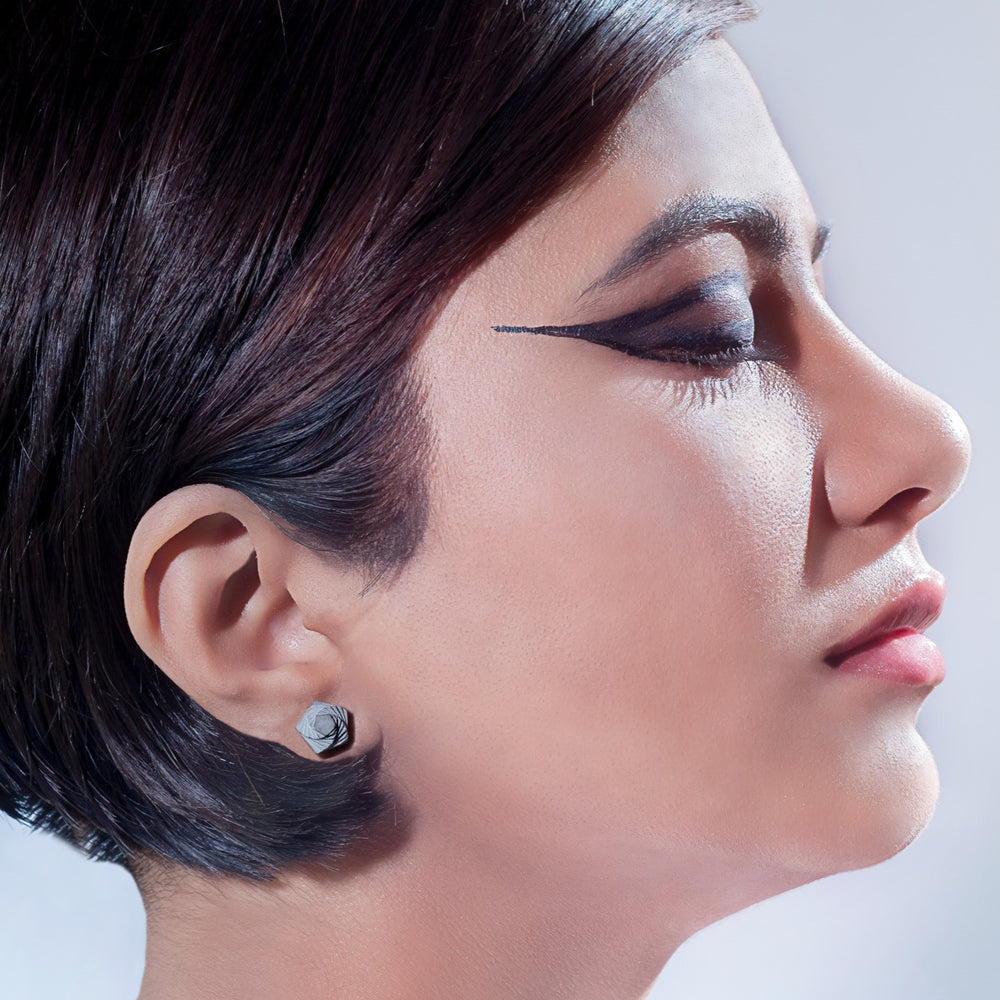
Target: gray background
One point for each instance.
(889, 110)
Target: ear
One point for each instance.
(211, 588)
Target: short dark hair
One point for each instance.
(223, 225)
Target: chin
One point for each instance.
(887, 810)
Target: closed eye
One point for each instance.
(720, 346)
(724, 338)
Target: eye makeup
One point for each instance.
(720, 332)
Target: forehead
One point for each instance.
(701, 129)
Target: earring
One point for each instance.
(324, 726)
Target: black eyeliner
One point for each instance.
(624, 332)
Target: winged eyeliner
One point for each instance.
(640, 329)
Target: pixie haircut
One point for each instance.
(224, 225)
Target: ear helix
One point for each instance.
(324, 726)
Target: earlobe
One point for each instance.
(208, 599)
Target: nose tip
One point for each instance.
(946, 461)
(957, 441)
(896, 452)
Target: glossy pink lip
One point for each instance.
(891, 645)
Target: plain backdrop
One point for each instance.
(889, 109)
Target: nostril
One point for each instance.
(901, 505)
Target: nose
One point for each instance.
(890, 452)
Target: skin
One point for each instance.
(600, 681)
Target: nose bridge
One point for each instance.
(890, 449)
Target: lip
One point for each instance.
(904, 616)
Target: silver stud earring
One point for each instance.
(324, 726)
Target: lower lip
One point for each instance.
(904, 657)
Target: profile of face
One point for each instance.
(668, 490)
(667, 483)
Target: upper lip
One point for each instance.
(916, 608)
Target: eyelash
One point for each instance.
(710, 350)
(721, 359)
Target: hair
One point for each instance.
(223, 226)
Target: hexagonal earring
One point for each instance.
(324, 727)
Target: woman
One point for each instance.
(461, 370)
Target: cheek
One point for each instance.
(595, 575)
(712, 530)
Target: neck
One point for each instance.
(431, 918)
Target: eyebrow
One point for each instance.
(821, 242)
(696, 216)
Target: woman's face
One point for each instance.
(613, 640)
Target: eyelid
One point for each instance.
(619, 329)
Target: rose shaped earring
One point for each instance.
(324, 726)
